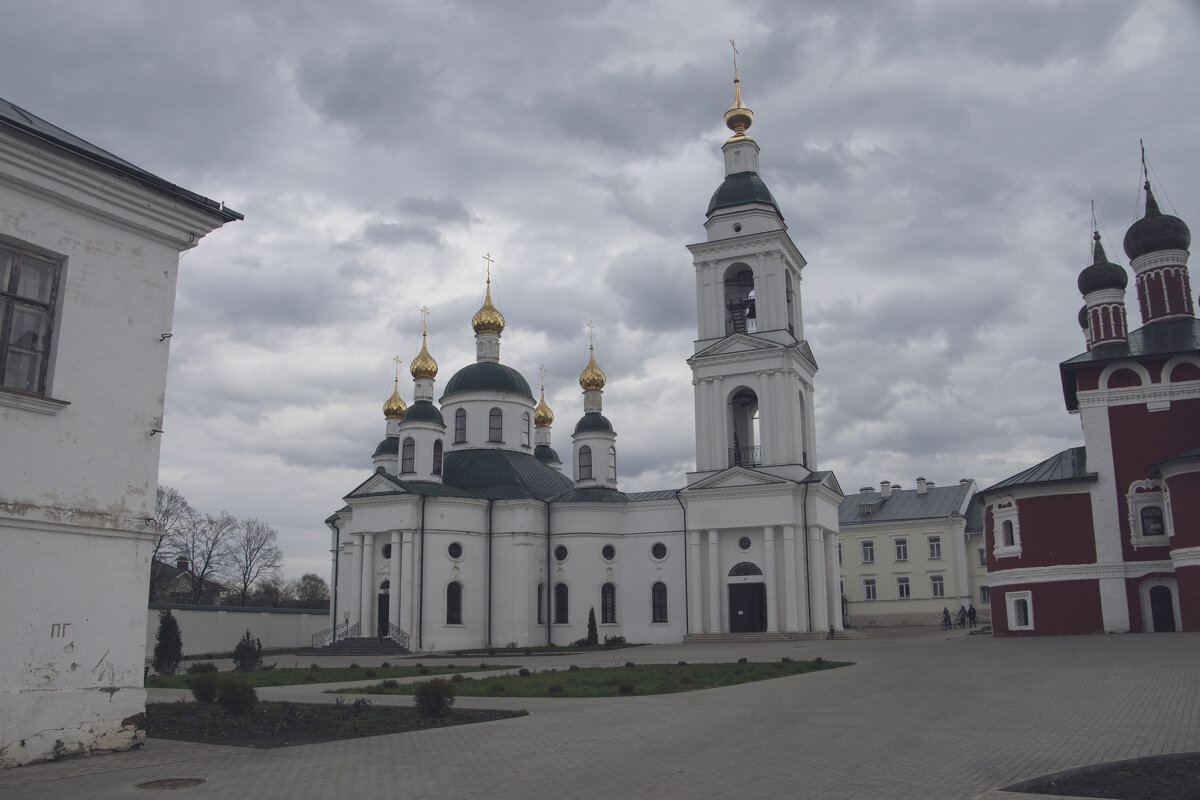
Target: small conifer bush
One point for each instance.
(524, 673)
(434, 698)
(247, 654)
(236, 696)
(201, 666)
(204, 686)
(168, 644)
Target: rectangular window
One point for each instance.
(983, 556)
(985, 595)
(28, 292)
(495, 425)
(868, 588)
(839, 552)
(902, 549)
(868, 552)
(1020, 611)
(937, 586)
(935, 548)
(903, 591)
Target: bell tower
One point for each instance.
(752, 370)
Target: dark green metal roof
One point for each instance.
(423, 411)
(1069, 465)
(593, 421)
(544, 452)
(390, 445)
(593, 494)
(487, 376)
(499, 474)
(1164, 338)
(739, 189)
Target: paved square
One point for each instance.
(922, 714)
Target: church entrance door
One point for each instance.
(1162, 609)
(747, 607)
(383, 615)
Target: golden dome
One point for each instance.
(488, 318)
(542, 415)
(592, 376)
(423, 366)
(738, 118)
(394, 408)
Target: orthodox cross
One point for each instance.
(424, 320)
(488, 258)
(542, 370)
(396, 360)
(733, 44)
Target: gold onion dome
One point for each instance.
(488, 318)
(423, 366)
(592, 377)
(542, 415)
(738, 118)
(394, 408)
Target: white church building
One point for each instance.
(468, 533)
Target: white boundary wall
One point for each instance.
(217, 629)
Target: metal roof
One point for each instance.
(938, 502)
(593, 494)
(17, 118)
(502, 474)
(1069, 465)
(741, 188)
(1156, 339)
(487, 376)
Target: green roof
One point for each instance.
(500, 474)
(1069, 465)
(423, 411)
(593, 421)
(389, 445)
(739, 189)
(487, 376)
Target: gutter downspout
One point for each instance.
(549, 593)
(421, 582)
(337, 551)
(491, 503)
(807, 572)
(686, 580)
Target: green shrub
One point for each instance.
(168, 644)
(236, 696)
(204, 686)
(743, 660)
(573, 668)
(456, 678)
(389, 684)
(483, 666)
(593, 638)
(628, 688)
(314, 666)
(356, 666)
(247, 654)
(528, 652)
(686, 679)
(630, 664)
(615, 639)
(424, 670)
(200, 667)
(555, 688)
(785, 660)
(497, 687)
(683, 663)
(524, 673)
(385, 665)
(820, 662)
(309, 677)
(434, 698)
(370, 673)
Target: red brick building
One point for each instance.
(1106, 537)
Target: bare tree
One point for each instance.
(274, 591)
(253, 555)
(312, 588)
(172, 514)
(205, 542)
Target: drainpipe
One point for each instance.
(421, 582)
(337, 551)
(549, 593)
(807, 574)
(491, 502)
(686, 581)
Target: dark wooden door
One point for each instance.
(747, 607)
(383, 615)
(1162, 609)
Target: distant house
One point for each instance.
(89, 255)
(173, 584)
(906, 554)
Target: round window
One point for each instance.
(608, 552)
(737, 227)
(744, 542)
(659, 551)
(387, 550)
(455, 550)
(560, 553)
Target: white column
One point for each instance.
(714, 585)
(695, 584)
(409, 583)
(790, 585)
(394, 582)
(816, 577)
(774, 623)
(833, 582)
(700, 391)
(367, 583)
(717, 425)
(353, 595)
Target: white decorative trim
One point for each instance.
(1107, 373)
(1159, 258)
(31, 402)
(1153, 494)
(1079, 572)
(1157, 394)
(999, 516)
(1147, 609)
(1186, 557)
(1010, 600)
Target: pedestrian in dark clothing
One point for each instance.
(971, 615)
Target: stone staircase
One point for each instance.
(770, 636)
(367, 646)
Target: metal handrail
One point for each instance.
(343, 631)
(398, 636)
(749, 456)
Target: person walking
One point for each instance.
(971, 615)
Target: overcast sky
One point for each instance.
(935, 162)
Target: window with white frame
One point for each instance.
(525, 429)
(935, 547)
(985, 595)
(937, 586)
(1006, 529)
(460, 426)
(1149, 514)
(869, 589)
(983, 556)
(28, 293)
(903, 589)
(901, 549)
(868, 551)
(1020, 610)
(495, 425)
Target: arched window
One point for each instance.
(608, 604)
(612, 464)
(437, 457)
(740, 312)
(454, 604)
(585, 463)
(658, 602)
(1022, 616)
(496, 425)
(791, 309)
(541, 604)
(460, 426)
(744, 445)
(561, 594)
(744, 568)
(525, 429)
(408, 457)
(1010, 539)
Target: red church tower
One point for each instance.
(1106, 537)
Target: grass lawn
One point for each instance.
(285, 724)
(291, 677)
(639, 679)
